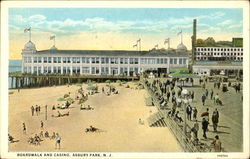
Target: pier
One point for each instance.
(20, 80)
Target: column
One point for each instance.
(109, 66)
(119, 66)
(168, 63)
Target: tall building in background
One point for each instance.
(216, 58)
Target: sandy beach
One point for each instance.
(116, 115)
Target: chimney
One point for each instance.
(193, 40)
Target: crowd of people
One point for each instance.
(166, 91)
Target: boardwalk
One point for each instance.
(230, 127)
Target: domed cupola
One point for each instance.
(53, 48)
(181, 47)
(30, 46)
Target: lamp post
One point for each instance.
(185, 101)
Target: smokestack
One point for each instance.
(193, 40)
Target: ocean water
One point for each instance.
(14, 66)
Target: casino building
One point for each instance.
(102, 62)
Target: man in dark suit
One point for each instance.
(189, 112)
(204, 127)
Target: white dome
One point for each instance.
(181, 47)
(53, 48)
(29, 46)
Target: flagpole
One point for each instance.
(181, 36)
(140, 44)
(168, 43)
(54, 41)
(30, 33)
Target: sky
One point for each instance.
(118, 28)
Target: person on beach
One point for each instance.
(39, 109)
(217, 144)
(37, 139)
(41, 134)
(58, 141)
(32, 110)
(53, 135)
(24, 128)
(42, 125)
(36, 109)
(46, 134)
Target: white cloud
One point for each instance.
(235, 26)
(37, 18)
(69, 26)
(224, 23)
(217, 15)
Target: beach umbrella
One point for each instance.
(68, 99)
(91, 88)
(78, 84)
(60, 99)
(112, 86)
(64, 99)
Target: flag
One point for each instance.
(179, 33)
(52, 37)
(26, 30)
(166, 41)
(135, 45)
(139, 40)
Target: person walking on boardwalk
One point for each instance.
(212, 94)
(32, 110)
(195, 113)
(203, 99)
(206, 93)
(168, 95)
(204, 127)
(189, 112)
(195, 130)
(217, 144)
(215, 119)
(216, 99)
(24, 128)
(58, 141)
(192, 95)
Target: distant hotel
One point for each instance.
(102, 62)
(214, 60)
(221, 58)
